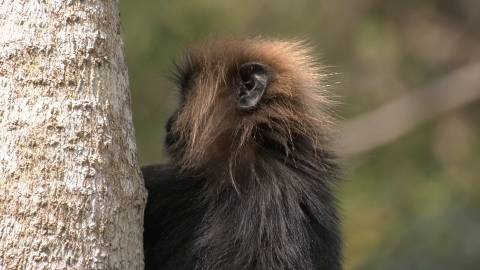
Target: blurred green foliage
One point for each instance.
(412, 204)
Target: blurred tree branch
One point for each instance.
(392, 120)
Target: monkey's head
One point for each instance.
(237, 96)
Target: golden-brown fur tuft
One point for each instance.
(212, 130)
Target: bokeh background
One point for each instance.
(409, 200)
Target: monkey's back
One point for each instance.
(175, 212)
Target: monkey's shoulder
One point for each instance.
(171, 216)
(168, 188)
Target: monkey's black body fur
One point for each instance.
(287, 221)
(250, 186)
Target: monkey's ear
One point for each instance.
(253, 80)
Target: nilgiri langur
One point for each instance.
(252, 178)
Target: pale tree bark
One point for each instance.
(71, 194)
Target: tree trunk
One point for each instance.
(71, 194)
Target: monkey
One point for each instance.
(252, 179)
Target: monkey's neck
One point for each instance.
(258, 215)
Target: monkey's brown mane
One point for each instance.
(212, 131)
